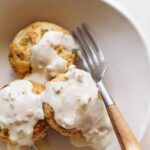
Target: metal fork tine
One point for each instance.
(101, 65)
(88, 50)
(84, 48)
(92, 42)
(83, 61)
(81, 53)
(91, 48)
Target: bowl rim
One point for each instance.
(144, 39)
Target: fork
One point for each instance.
(93, 61)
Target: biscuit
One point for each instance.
(49, 115)
(20, 48)
(41, 127)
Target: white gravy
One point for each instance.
(76, 104)
(44, 57)
(20, 110)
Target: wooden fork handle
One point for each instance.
(123, 132)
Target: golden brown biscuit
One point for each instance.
(49, 114)
(20, 48)
(41, 127)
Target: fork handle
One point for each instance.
(123, 132)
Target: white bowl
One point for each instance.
(128, 73)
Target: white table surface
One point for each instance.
(140, 10)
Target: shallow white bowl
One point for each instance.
(127, 77)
